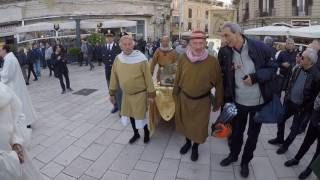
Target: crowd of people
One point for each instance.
(245, 72)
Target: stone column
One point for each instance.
(78, 38)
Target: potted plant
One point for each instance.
(74, 54)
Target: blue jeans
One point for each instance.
(37, 67)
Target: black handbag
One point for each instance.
(271, 112)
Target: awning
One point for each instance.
(306, 32)
(84, 24)
(269, 31)
(92, 24)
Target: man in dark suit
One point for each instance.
(110, 50)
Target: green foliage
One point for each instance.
(13, 47)
(74, 51)
(96, 38)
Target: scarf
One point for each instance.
(165, 49)
(193, 58)
(135, 57)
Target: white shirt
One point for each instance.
(110, 45)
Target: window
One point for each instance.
(175, 19)
(301, 7)
(190, 13)
(265, 7)
(206, 28)
(207, 14)
(189, 26)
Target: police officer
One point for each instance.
(110, 50)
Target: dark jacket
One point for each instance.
(311, 86)
(42, 53)
(98, 51)
(108, 56)
(286, 56)
(30, 58)
(35, 55)
(60, 66)
(264, 67)
(22, 58)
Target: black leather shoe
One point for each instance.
(291, 162)
(29, 126)
(146, 135)
(114, 110)
(282, 150)
(185, 148)
(244, 172)
(134, 138)
(305, 173)
(275, 141)
(194, 154)
(227, 161)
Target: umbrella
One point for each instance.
(306, 32)
(269, 31)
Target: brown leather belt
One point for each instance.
(139, 92)
(198, 97)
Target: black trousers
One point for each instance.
(313, 134)
(30, 69)
(239, 124)
(43, 63)
(291, 109)
(99, 61)
(66, 76)
(51, 68)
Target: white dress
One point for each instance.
(11, 75)
(11, 133)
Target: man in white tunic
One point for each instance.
(11, 75)
(14, 161)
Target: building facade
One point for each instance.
(196, 15)
(256, 13)
(153, 17)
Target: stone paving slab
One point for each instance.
(76, 138)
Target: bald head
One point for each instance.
(309, 58)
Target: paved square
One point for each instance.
(76, 137)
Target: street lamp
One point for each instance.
(56, 27)
(99, 25)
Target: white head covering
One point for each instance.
(135, 57)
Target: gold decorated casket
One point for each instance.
(164, 107)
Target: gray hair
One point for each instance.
(126, 37)
(268, 40)
(234, 28)
(312, 55)
(290, 40)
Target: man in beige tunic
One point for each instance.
(131, 72)
(197, 74)
(163, 56)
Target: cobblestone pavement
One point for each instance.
(76, 137)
